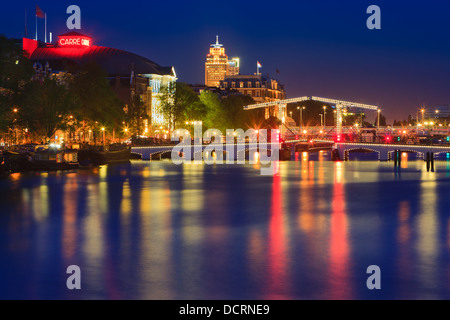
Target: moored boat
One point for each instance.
(98, 155)
(48, 158)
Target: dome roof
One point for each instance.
(114, 61)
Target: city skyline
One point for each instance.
(319, 49)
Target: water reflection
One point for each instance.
(278, 280)
(339, 265)
(159, 231)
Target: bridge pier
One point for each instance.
(335, 156)
(430, 161)
(397, 158)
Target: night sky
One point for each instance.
(320, 47)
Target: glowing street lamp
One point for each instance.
(103, 130)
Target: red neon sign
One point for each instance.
(75, 41)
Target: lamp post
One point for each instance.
(378, 119)
(321, 119)
(324, 119)
(301, 116)
(103, 130)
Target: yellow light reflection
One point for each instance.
(427, 226)
(404, 160)
(70, 231)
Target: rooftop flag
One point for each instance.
(258, 66)
(39, 13)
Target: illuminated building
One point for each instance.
(233, 67)
(261, 88)
(217, 65)
(128, 73)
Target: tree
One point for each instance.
(382, 120)
(215, 117)
(237, 117)
(137, 114)
(15, 71)
(179, 103)
(46, 107)
(97, 102)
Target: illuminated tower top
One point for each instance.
(217, 50)
(217, 44)
(216, 65)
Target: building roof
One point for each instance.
(113, 61)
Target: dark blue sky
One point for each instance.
(320, 47)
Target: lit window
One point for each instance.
(249, 84)
(257, 84)
(241, 84)
(233, 84)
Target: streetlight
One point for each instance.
(321, 119)
(324, 113)
(378, 121)
(301, 116)
(103, 130)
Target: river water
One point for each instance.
(155, 230)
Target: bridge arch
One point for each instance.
(159, 154)
(360, 149)
(419, 153)
(442, 152)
